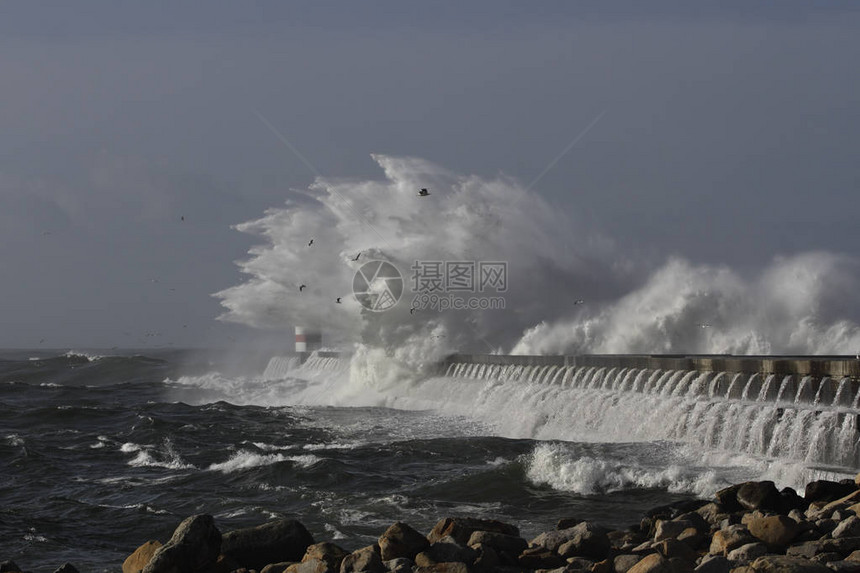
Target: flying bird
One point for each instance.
(412, 310)
(302, 287)
(356, 256)
(311, 242)
(182, 218)
(579, 301)
(338, 300)
(704, 325)
(423, 193)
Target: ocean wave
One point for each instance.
(244, 459)
(163, 456)
(556, 466)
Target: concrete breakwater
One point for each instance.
(833, 366)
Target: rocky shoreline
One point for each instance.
(747, 528)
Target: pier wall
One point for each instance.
(833, 366)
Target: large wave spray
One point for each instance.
(803, 304)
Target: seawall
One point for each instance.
(833, 366)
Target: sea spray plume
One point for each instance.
(803, 304)
(467, 218)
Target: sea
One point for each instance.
(103, 450)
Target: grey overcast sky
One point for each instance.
(730, 134)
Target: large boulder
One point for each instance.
(194, 546)
(849, 527)
(729, 538)
(826, 490)
(365, 560)
(273, 542)
(500, 542)
(329, 553)
(586, 540)
(135, 562)
(589, 540)
(401, 540)
(653, 563)
(446, 550)
(759, 495)
(461, 528)
(777, 531)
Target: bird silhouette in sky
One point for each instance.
(302, 287)
(424, 192)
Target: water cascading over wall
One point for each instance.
(807, 418)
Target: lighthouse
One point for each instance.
(307, 340)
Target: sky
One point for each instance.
(135, 136)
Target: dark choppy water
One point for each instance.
(100, 455)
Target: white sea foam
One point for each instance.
(554, 465)
(244, 459)
(163, 456)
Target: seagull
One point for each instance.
(302, 287)
(182, 218)
(356, 256)
(704, 325)
(578, 301)
(412, 310)
(423, 193)
(311, 242)
(338, 300)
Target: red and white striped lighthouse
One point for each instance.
(307, 340)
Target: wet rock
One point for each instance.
(488, 559)
(9, 567)
(256, 547)
(446, 550)
(777, 531)
(758, 495)
(364, 560)
(401, 540)
(712, 513)
(783, 564)
(848, 528)
(826, 490)
(568, 522)
(443, 568)
(135, 562)
(310, 566)
(671, 529)
(194, 546)
(399, 565)
(540, 558)
(500, 542)
(844, 566)
(730, 538)
(748, 552)
(692, 537)
(271, 567)
(674, 549)
(827, 557)
(653, 563)
(713, 564)
(586, 540)
(622, 563)
(461, 528)
(328, 553)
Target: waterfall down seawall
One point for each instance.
(800, 410)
